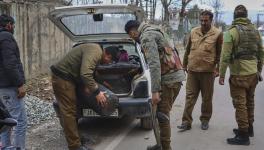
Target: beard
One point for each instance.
(12, 30)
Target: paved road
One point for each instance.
(131, 137)
(125, 134)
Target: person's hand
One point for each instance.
(21, 92)
(216, 73)
(221, 81)
(155, 98)
(101, 99)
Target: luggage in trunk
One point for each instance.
(91, 102)
(117, 76)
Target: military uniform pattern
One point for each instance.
(242, 89)
(169, 84)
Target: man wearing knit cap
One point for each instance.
(243, 53)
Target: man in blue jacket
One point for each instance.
(12, 80)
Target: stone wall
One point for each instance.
(40, 42)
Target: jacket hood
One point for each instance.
(243, 21)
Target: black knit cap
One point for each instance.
(113, 51)
(240, 12)
(5, 19)
(131, 24)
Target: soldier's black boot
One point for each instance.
(155, 147)
(250, 131)
(241, 138)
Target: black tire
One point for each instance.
(146, 123)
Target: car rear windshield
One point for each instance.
(107, 23)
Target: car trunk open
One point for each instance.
(117, 77)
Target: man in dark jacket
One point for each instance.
(12, 82)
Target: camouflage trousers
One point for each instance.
(168, 96)
(65, 94)
(242, 89)
(196, 82)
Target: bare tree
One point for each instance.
(182, 4)
(166, 4)
(217, 5)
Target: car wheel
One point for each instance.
(146, 123)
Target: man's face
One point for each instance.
(107, 58)
(205, 23)
(134, 34)
(10, 27)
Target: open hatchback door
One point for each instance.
(95, 22)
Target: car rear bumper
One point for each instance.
(136, 107)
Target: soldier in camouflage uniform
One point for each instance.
(165, 71)
(201, 61)
(243, 53)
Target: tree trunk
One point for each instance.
(166, 14)
(166, 4)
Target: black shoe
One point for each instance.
(6, 124)
(241, 138)
(250, 131)
(155, 147)
(184, 127)
(204, 126)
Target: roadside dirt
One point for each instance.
(40, 87)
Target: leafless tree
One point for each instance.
(217, 5)
(166, 4)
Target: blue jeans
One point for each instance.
(16, 108)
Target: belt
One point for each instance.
(61, 74)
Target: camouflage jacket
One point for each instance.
(153, 43)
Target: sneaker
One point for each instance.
(184, 127)
(204, 126)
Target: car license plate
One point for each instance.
(91, 113)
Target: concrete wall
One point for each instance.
(40, 42)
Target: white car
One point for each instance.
(104, 24)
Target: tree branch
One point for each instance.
(69, 3)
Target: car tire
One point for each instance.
(146, 123)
